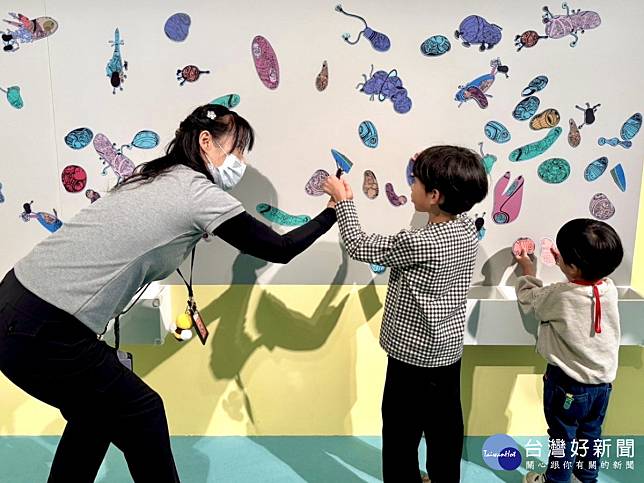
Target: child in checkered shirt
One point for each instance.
(424, 316)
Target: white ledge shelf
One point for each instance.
(494, 317)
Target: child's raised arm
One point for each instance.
(403, 249)
(531, 293)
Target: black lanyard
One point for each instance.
(189, 284)
(117, 329)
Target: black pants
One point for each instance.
(57, 359)
(419, 400)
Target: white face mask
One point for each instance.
(229, 173)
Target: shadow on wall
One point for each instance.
(276, 324)
(495, 268)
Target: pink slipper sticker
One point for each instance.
(547, 258)
(521, 244)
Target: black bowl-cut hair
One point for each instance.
(457, 173)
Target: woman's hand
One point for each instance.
(331, 203)
(526, 263)
(339, 189)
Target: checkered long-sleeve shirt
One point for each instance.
(431, 271)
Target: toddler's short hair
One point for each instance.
(592, 246)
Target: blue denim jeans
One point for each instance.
(574, 411)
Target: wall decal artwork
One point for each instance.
(589, 113)
(529, 38)
(409, 172)
(112, 157)
(554, 170)
(27, 30)
(479, 223)
(386, 85)
(571, 23)
(79, 138)
(619, 177)
(50, 222)
(322, 79)
(497, 132)
(560, 26)
(547, 257)
(595, 169)
(177, 27)
(116, 66)
(229, 100)
(629, 130)
(190, 73)
(368, 134)
(265, 60)
(507, 202)
(275, 215)
(574, 136)
(631, 127)
(92, 195)
(342, 163)
(370, 185)
(535, 85)
(379, 41)
(313, 186)
(601, 207)
(435, 45)
(523, 244)
(477, 88)
(488, 160)
(377, 269)
(476, 30)
(525, 109)
(13, 96)
(74, 178)
(537, 148)
(614, 142)
(545, 120)
(393, 198)
(144, 140)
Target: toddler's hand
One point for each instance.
(526, 263)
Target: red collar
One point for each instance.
(598, 304)
(586, 283)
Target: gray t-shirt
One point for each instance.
(95, 263)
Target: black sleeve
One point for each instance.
(253, 237)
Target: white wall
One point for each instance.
(64, 87)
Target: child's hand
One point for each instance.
(347, 188)
(526, 263)
(339, 189)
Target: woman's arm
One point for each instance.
(253, 237)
